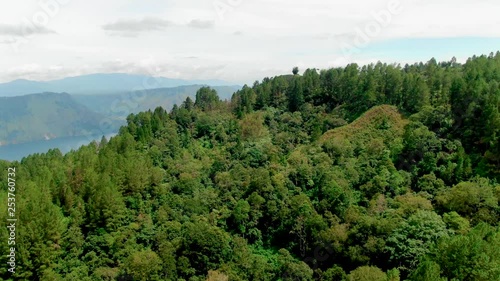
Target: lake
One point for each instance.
(15, 152)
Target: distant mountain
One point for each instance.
(37, 117)
(47, 116)
(99, 84)
(22, 87)
(121, 105)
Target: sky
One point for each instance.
(235, 40)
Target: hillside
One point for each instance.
(376, 173)
(45, 116)
(382, 122)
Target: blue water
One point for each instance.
(15, 152)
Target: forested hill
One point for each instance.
(46, 116)
(376, 173)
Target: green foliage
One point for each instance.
(205, 246)
(456, 223)
(206, 99)
(412, 238)
(296, 95)
(143, 265)
(367, 273)
(475, 200)
(373, 171)
(244, 101)
(292, 269)
(48, 115)
(334, 273)
(474, 256)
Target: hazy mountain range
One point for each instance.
(44, 116)
(122, 104)
(99, 84)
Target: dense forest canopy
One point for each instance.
(380, 172)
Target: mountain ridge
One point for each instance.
(100, 83)
(44, 116)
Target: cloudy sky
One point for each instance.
(234, 40)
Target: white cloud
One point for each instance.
(203, 24)
(23, 29)
(134, 27)
(146, 24)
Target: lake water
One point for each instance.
(15, 152)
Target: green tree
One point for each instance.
(205, 246)
(206, 99)
(475, 256)
(367, 273)
(475, 200)
(415, 93)
(412, 239)
(39, 237)
(296, 95)
(144, 265)
(292, 269)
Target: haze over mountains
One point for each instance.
(99, 84)
(120, 105)
(45, 116)
(87, 106)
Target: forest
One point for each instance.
(380, 172)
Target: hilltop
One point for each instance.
(383, 122)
